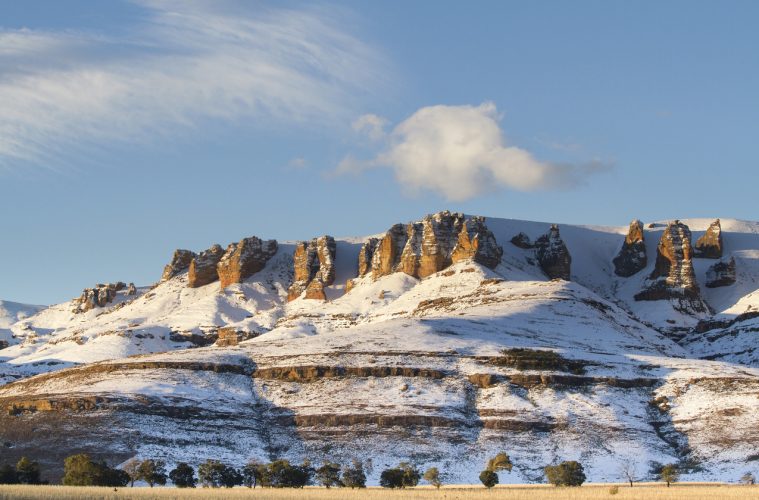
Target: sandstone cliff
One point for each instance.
(553, 255)
(242, 260)
(673, 276)
(709, 246)
(632, 256)
(99, 296)
(426, 247)
(314, 268)
(180, 262)
(203, 267)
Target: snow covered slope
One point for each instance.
(444, 371)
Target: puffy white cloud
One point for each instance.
(460, 152)
(185, 62)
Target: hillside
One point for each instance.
(441, 341)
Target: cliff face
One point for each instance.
(313, 268)
(553, 255)
(721, 274)
(243, 259)
(709, 246)
(673, 277)
(202, 270)
(100, 296)
(632, 256)
(426, 247)
(180, 262)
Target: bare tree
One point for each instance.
(628, 470)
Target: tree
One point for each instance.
(500, 462)
(216, 474)
(411, 474)
(252, 473)
(8, 475)
(391, 478)
(132, 468)
(432, 476)
(80, 470)
(669, 474)
(628, 471)
(328, 475)
(354, 476)
(183, 476)
(568, 473)
(488, 478)
(748, 479)
(152, 472)
(27, 472)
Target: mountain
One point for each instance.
(442, 341)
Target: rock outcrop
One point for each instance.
(365, 256)
(314, 268)
(632, 256)
(131, 289)
(721, 274)
(709, 246)
(553, 255)
(521, 240)
(203, 268)
(673, 277)
(244, 259)
(428, 246)
(180, 262)
(99, 296)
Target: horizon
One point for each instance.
(132, 128)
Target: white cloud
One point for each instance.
(460, 152)
(186, 62)
(371, 125)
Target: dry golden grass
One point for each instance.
(591, 492)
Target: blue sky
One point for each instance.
(128, 129)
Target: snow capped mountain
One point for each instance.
(443, 341)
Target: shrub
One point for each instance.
(183, 476)
(152, 472)
(353, 476)
(669, 474)
(79, 470)
(614, 490)
(27, 472)
(748, 479)
(565, 474)
(432, 476)
(488, 478)
(328, 475)
(391, 478)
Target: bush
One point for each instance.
(500, 462)
(488, 478)
(79, 470)
(565, 474)
(614, 490)
(748, 479)
(538, 359)
(183, 476)
(353, 476)
(432, 476)
(328, 475)
(152, 472)
(669, 474)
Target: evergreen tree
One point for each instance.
(354, 476)
(328, 475)
(252, 473)
(568, 473)
(8, 475)
(152, 472)
(488, 478)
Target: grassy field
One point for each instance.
(647, 491)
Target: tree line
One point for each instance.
(82, 470)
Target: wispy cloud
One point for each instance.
(186, 62)
(460, 152)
